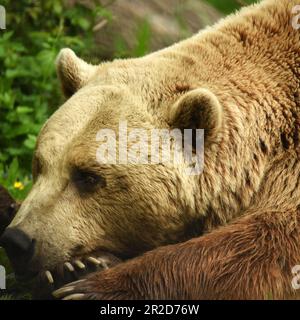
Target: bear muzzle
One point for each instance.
(19, 248)
(22, 251)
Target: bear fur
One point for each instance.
(240, 81)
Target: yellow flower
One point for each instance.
(18, 185)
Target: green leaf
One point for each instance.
(84, 23)
(30, 141)
(24, 110)
(143, 39)
(12, 173)
(57, 7)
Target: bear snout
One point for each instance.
(19, 248)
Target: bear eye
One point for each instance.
(87, 182)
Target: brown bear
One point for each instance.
(240, 82)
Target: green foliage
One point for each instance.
(29, 91)
(13, 179)
(142, 40)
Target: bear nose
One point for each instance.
(18, 246)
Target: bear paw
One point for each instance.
(73, 270)
(110, 284)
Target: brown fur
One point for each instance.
(248, 259)
(244, 76)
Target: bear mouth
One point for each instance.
(44, 282)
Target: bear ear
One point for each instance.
(72, 71)
(198, 109)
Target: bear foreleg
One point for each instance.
(251, 258)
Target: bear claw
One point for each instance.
(103, 263)
(69, 266)
(75, 296)
(62, 291)
(94, 261)
(49, 277)
(67, 291)
(79, 264)
(67, 278)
